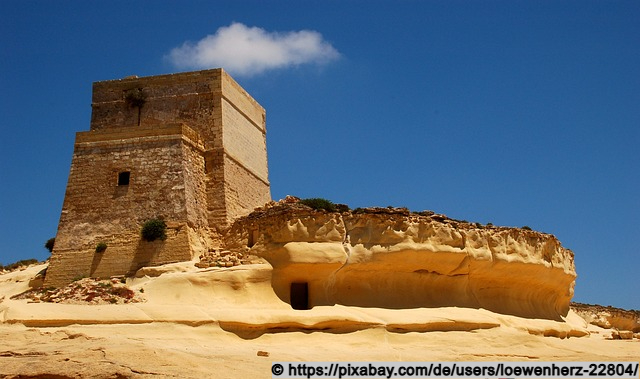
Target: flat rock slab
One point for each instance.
(252, 322)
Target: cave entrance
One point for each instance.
(299, 296)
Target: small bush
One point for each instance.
(526, 228)
(154, 229)
(319, 203)
(18, 264)
(342, 208)
(49, 244)
(135, 98)
(101, 247)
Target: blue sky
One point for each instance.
(510, 112)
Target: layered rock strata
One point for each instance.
(391, 258)
(609, 317)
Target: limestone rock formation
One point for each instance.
(608, 317)
(392, 258)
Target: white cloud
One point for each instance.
(247, 51)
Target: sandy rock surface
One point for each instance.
(229, 323)
(392, 258)
(609, 317)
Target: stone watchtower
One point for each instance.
(186, 148)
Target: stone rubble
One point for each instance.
(85, 291)
(225, 258)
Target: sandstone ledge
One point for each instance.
(609, 317)
(392, 258)
(241, 300)
(250, 323)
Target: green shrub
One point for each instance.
(526, 228)
(21, 263)
(154, 229)
(342, 208)
(135, 98)
(101, 247)
(319, 203)
(49, 244)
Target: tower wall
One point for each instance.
(229, 121)
(193, 145)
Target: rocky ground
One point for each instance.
(87, 291)
(624, 324)
(225, 258)
(227, 323)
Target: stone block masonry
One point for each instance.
(189, 148)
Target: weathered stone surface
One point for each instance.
(395, 259)
(189, 148)
(608, 317)
(625, 334)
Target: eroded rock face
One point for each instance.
(391, 258)
(609, 317)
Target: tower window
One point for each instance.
(123, 178)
